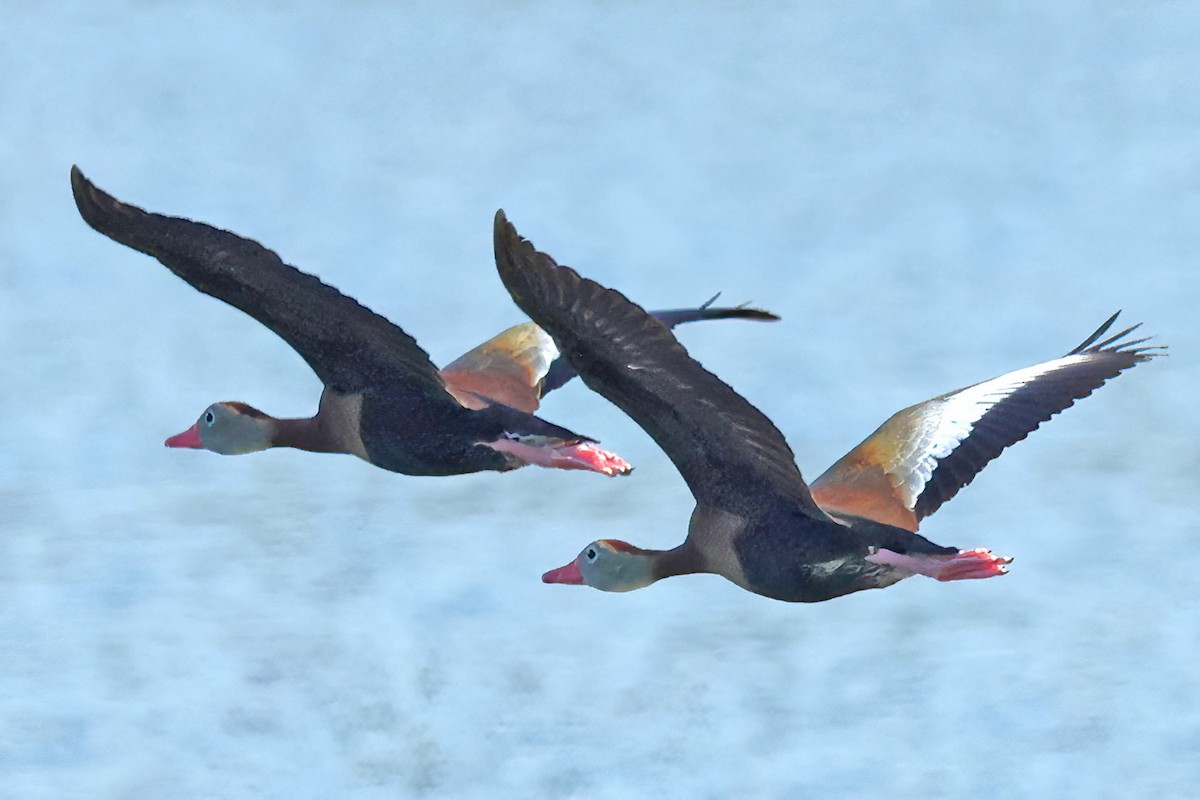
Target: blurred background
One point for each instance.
(929, 194)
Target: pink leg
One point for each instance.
(978, 563)
(584, 456)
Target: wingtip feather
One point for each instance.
(89, 199)
(1086, 343)
(506, 238)
(1118, 343)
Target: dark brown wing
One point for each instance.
(349, 346)
(520, 365)
(560, 371)
(728, 452)
(922, 456)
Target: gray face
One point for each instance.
(592, 566)
(606, 568)
(225, 430)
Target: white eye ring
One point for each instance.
(209, 417)
(591, 555)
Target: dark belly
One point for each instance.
(790, 556)
(423, 442)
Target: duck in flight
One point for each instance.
(383, 399)
(756, 522)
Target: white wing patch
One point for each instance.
(938, 426)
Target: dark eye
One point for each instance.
(208, 417)
(591, 554)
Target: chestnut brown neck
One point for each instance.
(305, 433)
(681, 560)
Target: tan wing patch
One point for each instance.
(508, 368)
(860, 484)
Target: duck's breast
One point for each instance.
(712, 534)
(341, 421)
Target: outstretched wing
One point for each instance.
(520, 365)
(727, 451)
(561, 370)
(347, 345)
(923, 455)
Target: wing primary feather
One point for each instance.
(1096, 335)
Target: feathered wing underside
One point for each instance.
(349, 347)
(728, 452)
(508, 368)
(922, 456)
(521, 365)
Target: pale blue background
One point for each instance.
(929, 193)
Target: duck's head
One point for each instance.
(609, 565)
(230, 429)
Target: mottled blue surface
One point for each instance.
(929, 194)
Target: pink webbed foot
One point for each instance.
(963, 565)
(588, 456)
(585, 456)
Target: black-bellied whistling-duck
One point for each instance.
(756, 522)
(384, 401)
